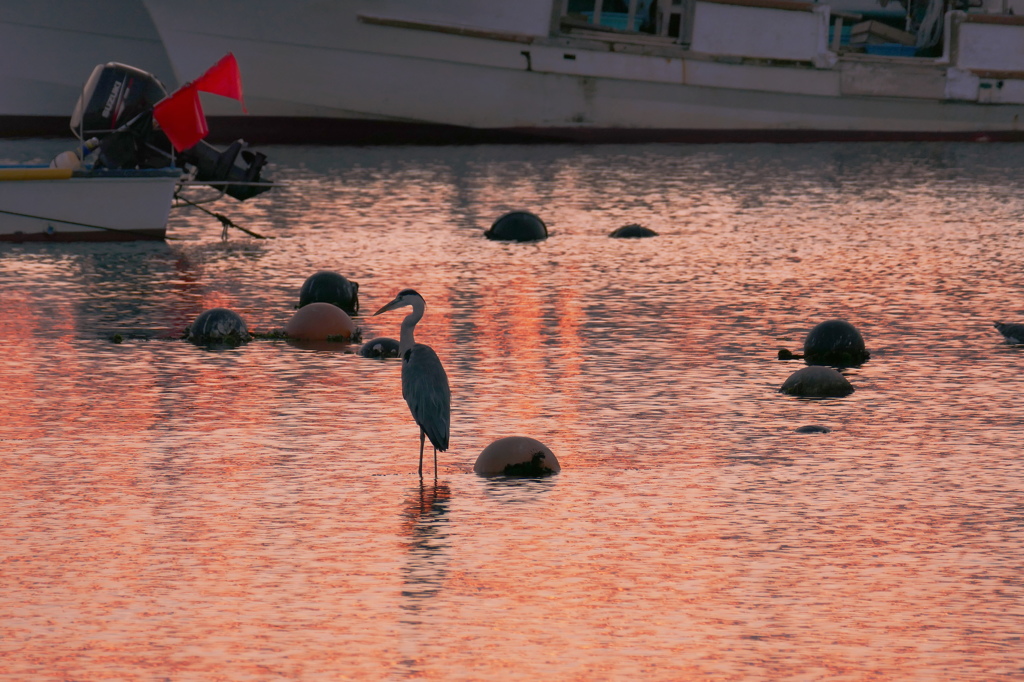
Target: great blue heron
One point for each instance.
(424, 382)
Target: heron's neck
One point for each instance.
(408, 325)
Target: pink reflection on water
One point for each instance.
(171, 511)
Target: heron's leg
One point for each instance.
(422, 436)
(435, 464)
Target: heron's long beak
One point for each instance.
(390, 306)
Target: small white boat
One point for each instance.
(62, 204)
(143, 146)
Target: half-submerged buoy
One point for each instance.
(817, 381)
(813, 428)
(835, 342)
(633, 231)
(516, 456)
(327, 286)
(1013, 333)
(320, 322)
(218, 325)
(380, 347)
(518, 226)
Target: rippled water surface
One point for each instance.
(173, 512)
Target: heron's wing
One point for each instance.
(425, 389)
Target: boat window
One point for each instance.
(632, 16)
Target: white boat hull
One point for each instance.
(380, 71)
(37, 205)
(353, 63)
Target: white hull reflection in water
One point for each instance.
(171, 511)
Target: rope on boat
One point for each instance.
(72, 222)
(224, 220)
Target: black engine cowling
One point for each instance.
(116, 107)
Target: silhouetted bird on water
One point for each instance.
(1014, 333)
(424, 382)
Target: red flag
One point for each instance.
(181, 117)
(223, 78)
(181, 114)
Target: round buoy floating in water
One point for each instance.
(218, 325)
(817, 381)
(813, 428)
(380, 347)
(327, 286)
(633, 231)
(516, 456)
(518, 226)
(320, 322)
(835, 342)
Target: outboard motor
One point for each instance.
(236, 163)
(116, 108)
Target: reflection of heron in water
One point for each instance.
(425, 532)
(426, 514)
(424, 382)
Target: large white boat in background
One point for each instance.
(403, 71)
(49, 48)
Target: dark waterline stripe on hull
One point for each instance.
(284, 130)
(97, 236)
(261, 130)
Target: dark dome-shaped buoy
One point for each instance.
(835, 342)
(817, 381)
(633, 231)
(320, 321)
(813, 428)
(380, 347)
(518, 226)
(218, 325)
(516, 456)
(327, 286)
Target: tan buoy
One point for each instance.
(318, 321)
(516, 456)
(817, 381)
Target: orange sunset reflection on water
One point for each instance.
(177, 512)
